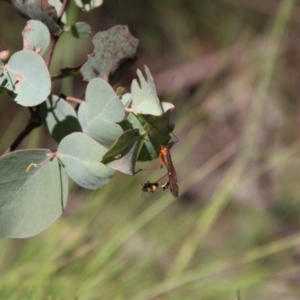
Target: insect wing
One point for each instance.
(173, 180)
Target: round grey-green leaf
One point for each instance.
(37, 10)
(100, 113)
(29, 78)
(30, 202)
(80, 156)
(36, 37)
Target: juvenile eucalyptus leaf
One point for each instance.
(38, 10)
(30, 201)
(80, 156)
(59, 117)
(100, 112)
(112, 48)
(144, 96)
(28, 77)
(36, 37)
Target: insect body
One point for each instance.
(152, 186)
(166, 160)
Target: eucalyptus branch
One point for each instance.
(62, 10)
(54, 38)
(34, 122)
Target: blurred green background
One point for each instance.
(232, 69)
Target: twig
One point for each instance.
(54, 38)
(62, 10)
(73, 99)
(34, 122)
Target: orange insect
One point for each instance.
(166, 160)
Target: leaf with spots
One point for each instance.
(38, 10)
(27, 76)
(36, 37)
(113, 49)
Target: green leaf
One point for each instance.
(100, 113)
(123, 153)
(27, 75)
(36, 37)
(38, 10)
(113, 48)
(81, 30)
(66, 72)
(154, 131)
(30, 202)
(80, 156)
(144, 96)
(87, 5)
(59, 117)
